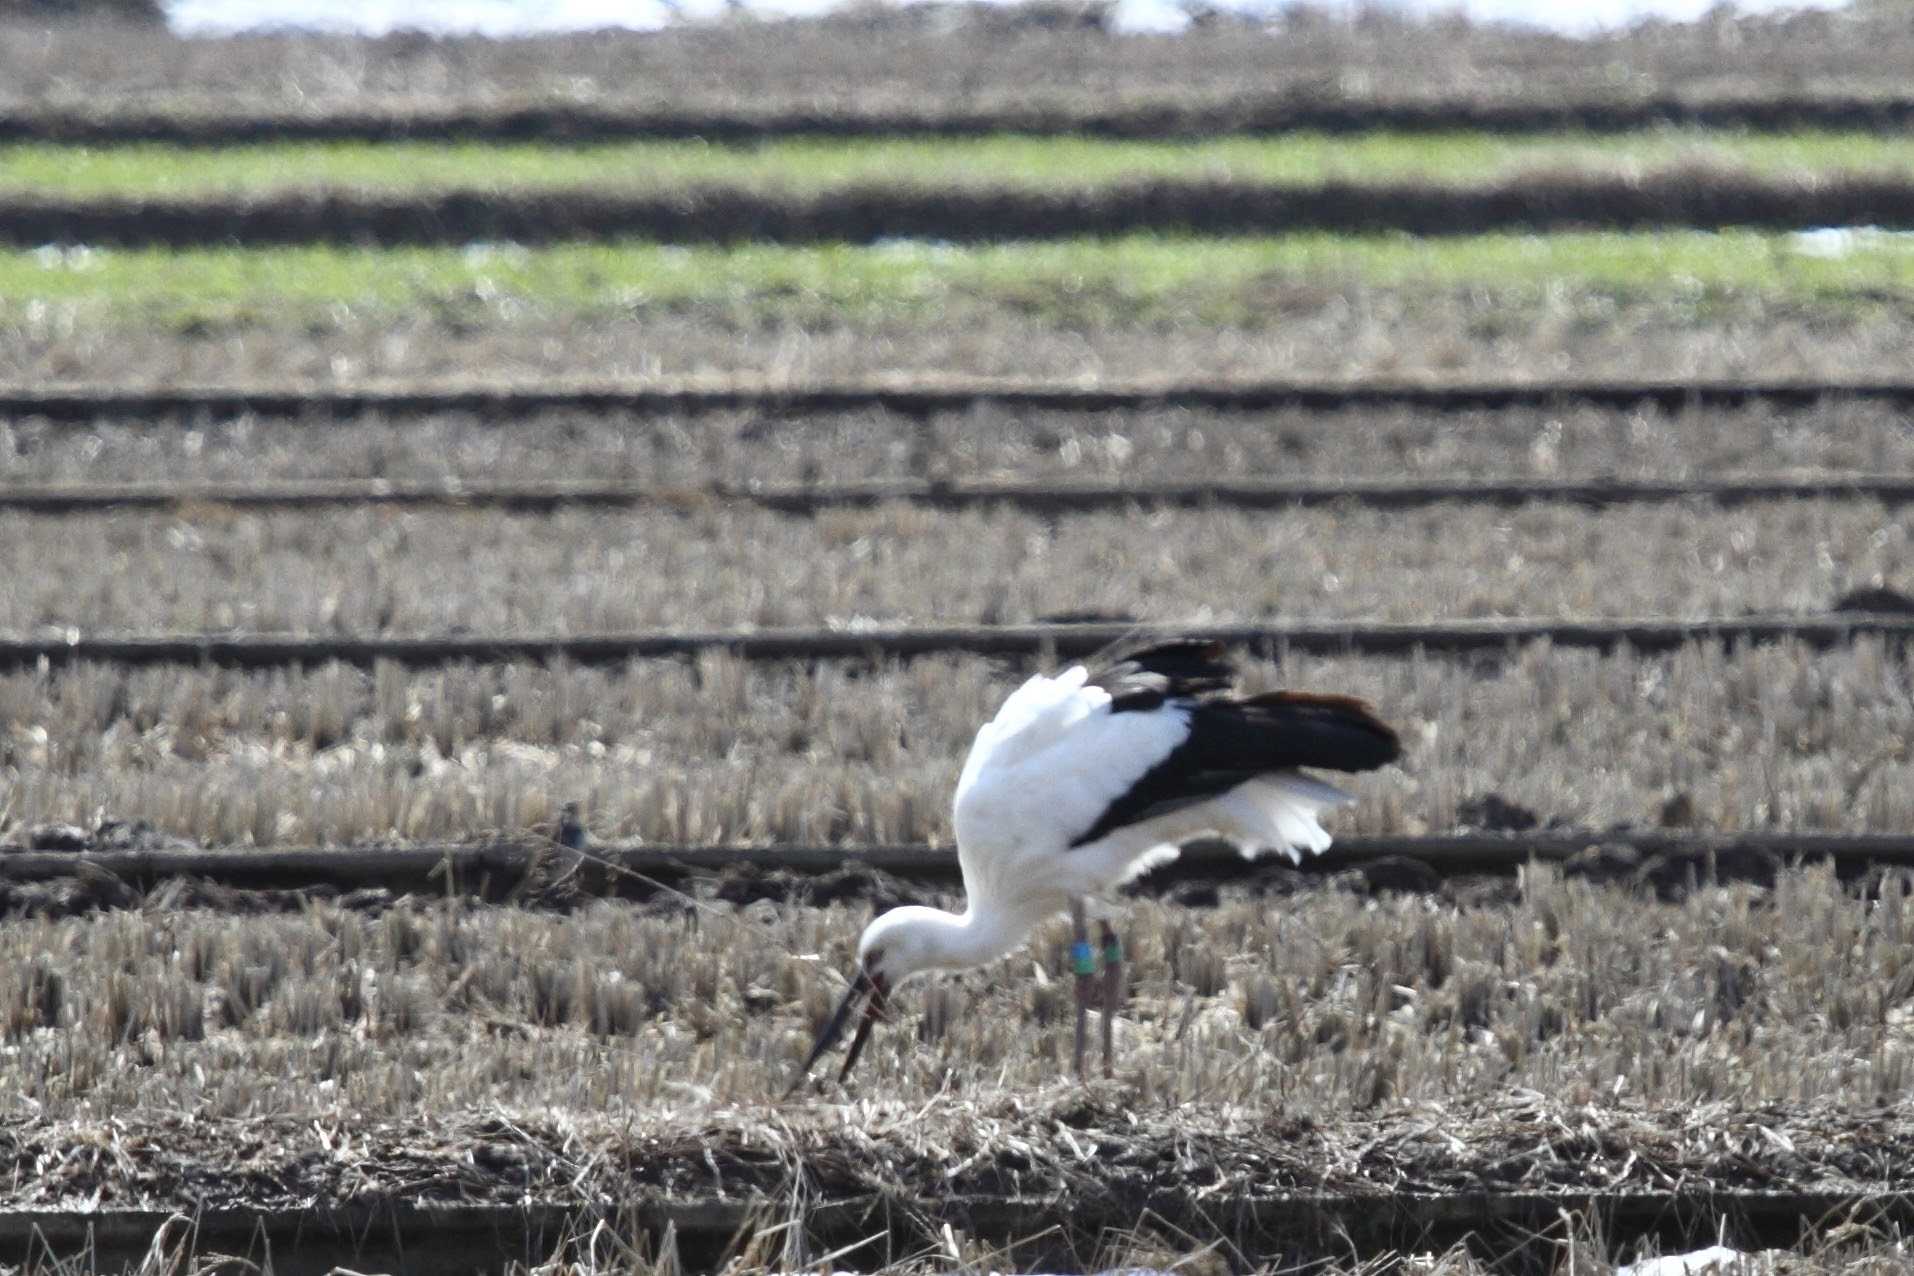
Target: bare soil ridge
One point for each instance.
(1167, 118)
(1043, 498)
(920, 396)
(1453, 638)
(1704, 199)
(535, 870)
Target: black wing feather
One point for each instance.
(1140, 678)
(1234, 740)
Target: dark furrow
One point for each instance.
(1452, 638)
(923, 397)
(1041, 498)
(1250, 114)
(1701, 198)
(496, 869)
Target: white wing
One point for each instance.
(1044, 771)
(1031, 717)
(1040, 775)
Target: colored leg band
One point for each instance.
(1083, 958)
(1113, 953)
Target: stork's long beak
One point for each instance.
(867, 988)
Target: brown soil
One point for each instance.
(1705, 199)
(1314, 108)
(82, 879)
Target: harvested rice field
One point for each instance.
(1334, 326)
(371, 572)
(719, 751)
(985, 443)
(932, 63)
(1297, 1053)
(1331, 1004)
(1667, 1008)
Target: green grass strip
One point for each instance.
(152, 170)
(1220, 280)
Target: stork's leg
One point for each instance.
(1112, 994)
(1083, 960)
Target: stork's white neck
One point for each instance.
(932, 939)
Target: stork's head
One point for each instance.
(901, 943)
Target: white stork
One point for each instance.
(1086, 779)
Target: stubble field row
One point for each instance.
(986, 443)
(1565, 1042)
(953, 60)
(831, 315)
(1341, 1007)
(719, 752)
(367, 572)
(1052, 499)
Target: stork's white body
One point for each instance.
(1081, 781)
(1043, 771)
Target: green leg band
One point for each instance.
(1083, 958)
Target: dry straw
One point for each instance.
(1323, 1004)
(1321, 1043)
(720, 751)
(372, 571)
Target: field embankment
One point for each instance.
(1176, 113)
(64, 871)
(1051, 499)
(959, 215)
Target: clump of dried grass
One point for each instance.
(724, 751)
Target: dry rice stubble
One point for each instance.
(1732, 996)
(1771, 737)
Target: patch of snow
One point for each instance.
(1839, 241)
(1716, 1260)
